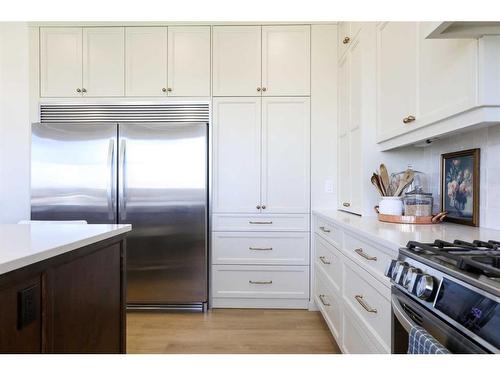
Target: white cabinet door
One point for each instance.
(285, 155)
(103, 61)
(189, 61)
(60, 61)
(396, 77)
(146, 61)
(237, 155)
(236, 60)
(355, 119)
(447, 76)
(286, 56)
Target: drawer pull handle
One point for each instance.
(260, 248)
(346, 204)
(322, 299)
(360, 252)
(324, 229)
(260, 282)
(362, 302)
(323, 260)
(260, 222)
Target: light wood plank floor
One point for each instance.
(229, 331)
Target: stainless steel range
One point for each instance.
(452, 290)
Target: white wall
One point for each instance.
(14, 122)
(488, 140)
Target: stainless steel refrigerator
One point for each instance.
(150, 175)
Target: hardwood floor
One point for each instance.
(229, 331)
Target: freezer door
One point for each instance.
(163, 194)
(73, 172)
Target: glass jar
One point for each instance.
(419, 183)
(418, 204)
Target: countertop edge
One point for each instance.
(62, 249)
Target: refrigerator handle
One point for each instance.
(121, 178)
(111, 184)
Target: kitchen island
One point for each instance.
(62, 288)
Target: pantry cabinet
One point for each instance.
(61, 62)
(237, 154)
(146, 61)
(261, 60)
(350, 93)
(261, 157)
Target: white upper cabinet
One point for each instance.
(189, 61)
(237, 155)
(285, 155)
(146, 61)
(396, 77)
(236, 60)
(103, 61)
(286, 57)
(60, 62)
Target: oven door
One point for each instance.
(407, 313)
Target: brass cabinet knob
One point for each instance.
(264, 89)
(84, 90)
(263, 207)
(169, 89)
(78, 90)
(258, 89)
(257, 207)
(346, 204)
(164, 89)
(346, 40)
(409, 119)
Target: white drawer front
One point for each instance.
(328, 230)
(328, 259)
(260, 282)
(329, 303)
(372, 258)
(355, 339)
(260, 223)
(268, 248)
(369, 299)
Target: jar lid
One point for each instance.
(413, 194)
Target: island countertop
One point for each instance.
(25, 244)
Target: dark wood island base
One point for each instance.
(71, 303)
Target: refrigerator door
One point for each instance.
(73, 172)
(163, 194)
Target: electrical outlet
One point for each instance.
(329, 186)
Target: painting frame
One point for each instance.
(475, 155)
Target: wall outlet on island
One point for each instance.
(329, 186)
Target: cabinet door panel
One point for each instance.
(236, 60)
(237, 147)
(104, 61)
(344, 183)
(145, 61)
(447, 75)
(396, 77)
(286, 56)
(189, 61)
(285, 155)
(60, 61)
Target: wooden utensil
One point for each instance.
(405, 181)
(375, 182)
(384, 177)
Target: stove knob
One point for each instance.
(410, 274)
(425, 287)
(389, 268)
(397, 270)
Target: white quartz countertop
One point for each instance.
(394, 236)
(25, 244)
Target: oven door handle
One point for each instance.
(402, 317)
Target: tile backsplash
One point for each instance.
(488, 140)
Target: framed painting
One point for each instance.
(460, 186)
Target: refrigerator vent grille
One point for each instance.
(164, 112)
